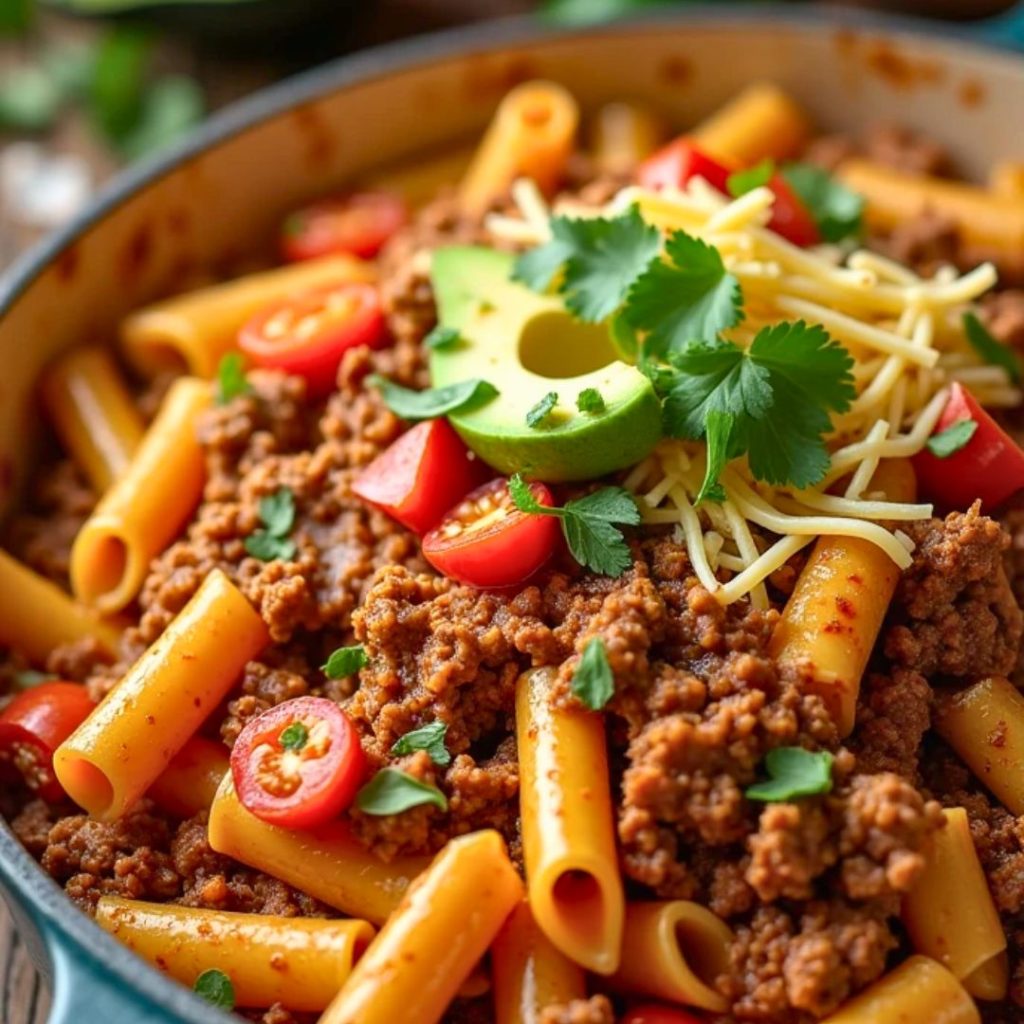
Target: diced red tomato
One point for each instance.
(308, 333)
(656, 1013)
(421, 476)
(486, 542)
(990, 466)
(674, 165)
(358, 224)
(299, 764)
(34, 725)
(790, 218)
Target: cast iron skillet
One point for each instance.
(95, 980)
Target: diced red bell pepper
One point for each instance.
(674, 165)
(790, 218)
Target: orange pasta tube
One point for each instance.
(190, 781)
(529, 972)
(328, 862)
(191, 332)
(949, 914)
(147, 507)
(1006, 179)
(36, 615)
(674, 950)
(623, 134)
(300, 962)
(572, 871)
(530, 136)
(420, 181)
(761, 122)
(124, 746)
(92, 413)
(833, 617)
(984, 724)
(432, 942)
(991, 226)
(919, 991)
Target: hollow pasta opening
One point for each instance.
(109, 565)
(703, 952)
(580, 901)
(88, 785)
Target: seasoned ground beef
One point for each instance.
(891, 145)
(596, 1010)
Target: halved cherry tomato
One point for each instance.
(790, 218)
(34, 725)
(359, 224)
(487, 542)
(421, 475)
(655, 1013)
(308, 333)
(299, 764)
(990, 466)
(674, 165)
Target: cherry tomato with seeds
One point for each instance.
(674, 165)
(421, 475)
(656, 1013)
(299, 764)
(34, 724)
(358, 224)
(308, 333)
(486, 542)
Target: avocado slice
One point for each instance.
(527, 345)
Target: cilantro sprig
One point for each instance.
(993, 352)
(392, 791)
(949, 441)
(793, 772)
(346, 661)
(277, 514)
(427, 737)
(216, 988)
(231, 379)
(836, 210)
(590, 524)
(593, 682)
(433, 402)
(538, 414)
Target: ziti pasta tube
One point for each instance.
(124, 746)
(529, 973)
(1006, 179)
(433, 941)
(190, 781)
(193, 331)
(530, 136)
(832, 619)
(919, 991)
(92, 413)
(623, 135)
(36, 615)
(148, 505)
(572, 870)
(675, 951)
(984, 724)
(299, 962)
(328, 862)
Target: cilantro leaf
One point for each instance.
(952, 439)
(215, 987)
(993, 352)
(266, 547)
(433, 402)
(691, 298)
(170, 107)
(742, 182)
(836, 210)
(277, 513)
(540, 412)
(589, 400)
(537, 268)
(346, 661)
(442, 337)
(593, 683)
(294, 736)
(718, 427)
(27, 678)
(429, 738)
(231, 379)
(29, 100)
(793, 772)
(392, 791)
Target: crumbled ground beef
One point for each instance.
(596, 1010)
(893, 714)
(925, 242)
(891, 145)
(1003, 314)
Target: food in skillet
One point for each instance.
(538, 607)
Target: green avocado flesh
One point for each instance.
(527, 345)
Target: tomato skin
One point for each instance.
(674, 165)
(308, 333)
(990, 466)
(507, 548)
(656, 1013)
(358, 224)
(421, 475)
(298, 788)
(34, 725)
(790, 218)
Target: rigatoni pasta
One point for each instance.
(192, 777)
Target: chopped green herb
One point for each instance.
(171, 106)
(691, 298)
(267, 548)
(294, 737)
(433, 402)
(442, 337)
(215, 987)
(71, 66)
(718, 426)
(118, 81)
(993, 352)
(952, 439)
(427, 737)
(589, 524)
(15, 16)
(593, 682)
(392, 791)
(540, 412)
(742, 182)
(231, 379)
(793, 772)
(29, 100)
(346, 661)
(29, 678)
(836, 210)
(589, 400)
(592, 12)
(277, 513)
